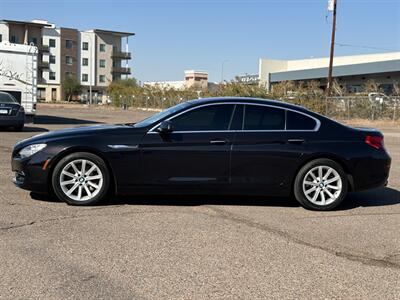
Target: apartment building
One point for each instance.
(94, 57)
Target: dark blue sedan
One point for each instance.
(12, 114)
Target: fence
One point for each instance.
(367, 107)
(373, 107)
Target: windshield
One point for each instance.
(6, 98)
(162, 114)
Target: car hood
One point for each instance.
(71, 132)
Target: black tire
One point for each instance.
(298, 184)
(19, 128)
(94, 159)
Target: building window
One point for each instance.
(52, 43)
(68, 60)
(85, 62)
(32, 41)
(68, 74)
(102, 63)
(52, 59)
(52, 75)
(85, 46)
(102, 47)
(68, 44)
(14, 39)
(1, 38)
(102, 78)
(85, 77)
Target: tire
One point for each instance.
(19, 128)
(75, 188)
(314, 194)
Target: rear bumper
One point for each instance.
(372, 172)
(17, 120)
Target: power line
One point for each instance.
(365, 47)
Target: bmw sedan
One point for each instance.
(209, 146)
(12, 114)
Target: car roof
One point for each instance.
(245, 100)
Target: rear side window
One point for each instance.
(213, 117)
(296, 121)
(263, 118)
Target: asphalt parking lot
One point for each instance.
(194, 247)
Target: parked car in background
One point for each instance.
(208, 146)
(12, 114)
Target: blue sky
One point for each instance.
(172, 36)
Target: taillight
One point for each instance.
(374, 141)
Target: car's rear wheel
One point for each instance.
(81, 179)
(320, 185)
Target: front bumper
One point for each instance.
(30, 174)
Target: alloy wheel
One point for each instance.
(322, 185)
(81, 180)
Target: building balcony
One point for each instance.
(41, 80)
(44, 48)
(121, 55)
(43, 65)
(121, 70)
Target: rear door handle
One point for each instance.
(218, 142)
(296, 141)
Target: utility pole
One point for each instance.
(329, 86)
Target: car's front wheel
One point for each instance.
(320, 185)
(81, 179)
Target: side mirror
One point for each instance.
(165, 127)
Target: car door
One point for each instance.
(195, 154)
(265, 153)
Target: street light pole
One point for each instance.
(329, 85)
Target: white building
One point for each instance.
(349, 71)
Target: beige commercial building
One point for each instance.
(351, 72)
(193, 79)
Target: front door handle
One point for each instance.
(218, 142)
(296, 141)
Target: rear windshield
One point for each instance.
(6, 98)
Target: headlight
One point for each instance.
(30, 150)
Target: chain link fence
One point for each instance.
(372, 107)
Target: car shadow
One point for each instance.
(54, 120)
(182, 200)
(34, 129)
(196, 200)
(26, 129)
(378, 197)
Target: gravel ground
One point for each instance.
(194, 247)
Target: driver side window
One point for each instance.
(212, 117)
